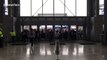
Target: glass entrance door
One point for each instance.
(64, 32)
(72, 32)
(34, 27)
(57, 27)
(80, 32)
(49, 27)
(42, 33)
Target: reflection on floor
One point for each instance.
(45, 51)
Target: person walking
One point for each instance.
(32, 37)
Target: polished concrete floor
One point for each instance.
(45, 51)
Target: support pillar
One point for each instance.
(97, 7)
(105, 22)
(91, 13)
(18, 29)
(84, 30)
(1, 13)
(1, 21)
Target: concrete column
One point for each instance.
(91, 13)
(1, 12)
(14, 11)
(77, 32)
(105, 22)
(97, 7)
(97, 22)
(1, 21)
(84, 32)
(88, 29)
(69, 31)
(10, 8)
(18, 29)
(91, 8)
(5, 21)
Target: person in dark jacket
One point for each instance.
(32, 37)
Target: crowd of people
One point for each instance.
(34, 35)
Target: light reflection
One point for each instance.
(81, 49)
(42, 50)
(75, 51)
(45, 50)
(103, 56)
(49, 52)
(78, 50)
(28, 51)
(65, 50)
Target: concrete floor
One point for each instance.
(45, 51)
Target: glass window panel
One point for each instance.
(80, 28)
(70, 7)
(42, 27)
(57, 26)
(27, 27)
(73, 27)
(25, 8)
(48, 7)
(81, 7)
(34, 26)
(49, 27)
(59, 7)
(36, 7)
